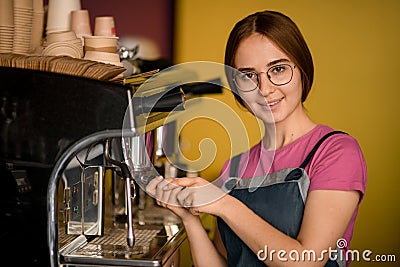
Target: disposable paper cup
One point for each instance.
(107, 44)
(82, 30)
(108, 49)
(25, 4)
(80, 22)
(38, 6)
(59, 14)
(104, 26)
(113, 57)
(37, 30)
(6, 13)
(101, 41)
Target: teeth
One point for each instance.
(274, 103)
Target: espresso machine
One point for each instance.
(107, 219)
(76, 156)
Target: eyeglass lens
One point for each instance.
(278, 75)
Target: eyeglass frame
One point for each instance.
(268, 76)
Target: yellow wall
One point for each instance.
(355, 45)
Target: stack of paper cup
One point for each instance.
(102, 46)
(59, 14)
(23, 16)
(6, 26)
(37, 24)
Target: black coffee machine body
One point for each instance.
(41, 115)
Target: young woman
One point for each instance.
(301, 211)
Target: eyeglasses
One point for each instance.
(278, 75)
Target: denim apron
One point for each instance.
(279, 200)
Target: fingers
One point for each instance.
(194, 211)
(165, 192)
(194, 194)
(151, 187)
(185, 198)
(173, 195)
(187, 182)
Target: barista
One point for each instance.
(310, 209)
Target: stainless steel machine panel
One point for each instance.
(84, 202)
(154, 246)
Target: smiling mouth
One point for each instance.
(274, 102)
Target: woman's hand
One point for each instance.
(167, 198)
(187, 197)
(196, 195)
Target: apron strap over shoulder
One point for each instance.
(234, 166)
(317, 145)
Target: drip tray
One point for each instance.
(154, 243)
(114, 243)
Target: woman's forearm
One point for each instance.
(203, 251)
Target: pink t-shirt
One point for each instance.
(338, 164)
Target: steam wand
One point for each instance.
(130, 238)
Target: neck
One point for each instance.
(283, 133)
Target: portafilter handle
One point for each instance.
(130, 237)
(126, 174)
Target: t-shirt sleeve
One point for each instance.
(224, 174)
(338, 164)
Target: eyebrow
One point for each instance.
(274, 62)
(270, 64)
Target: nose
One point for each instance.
(265, 85)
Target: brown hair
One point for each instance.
(284, 33)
